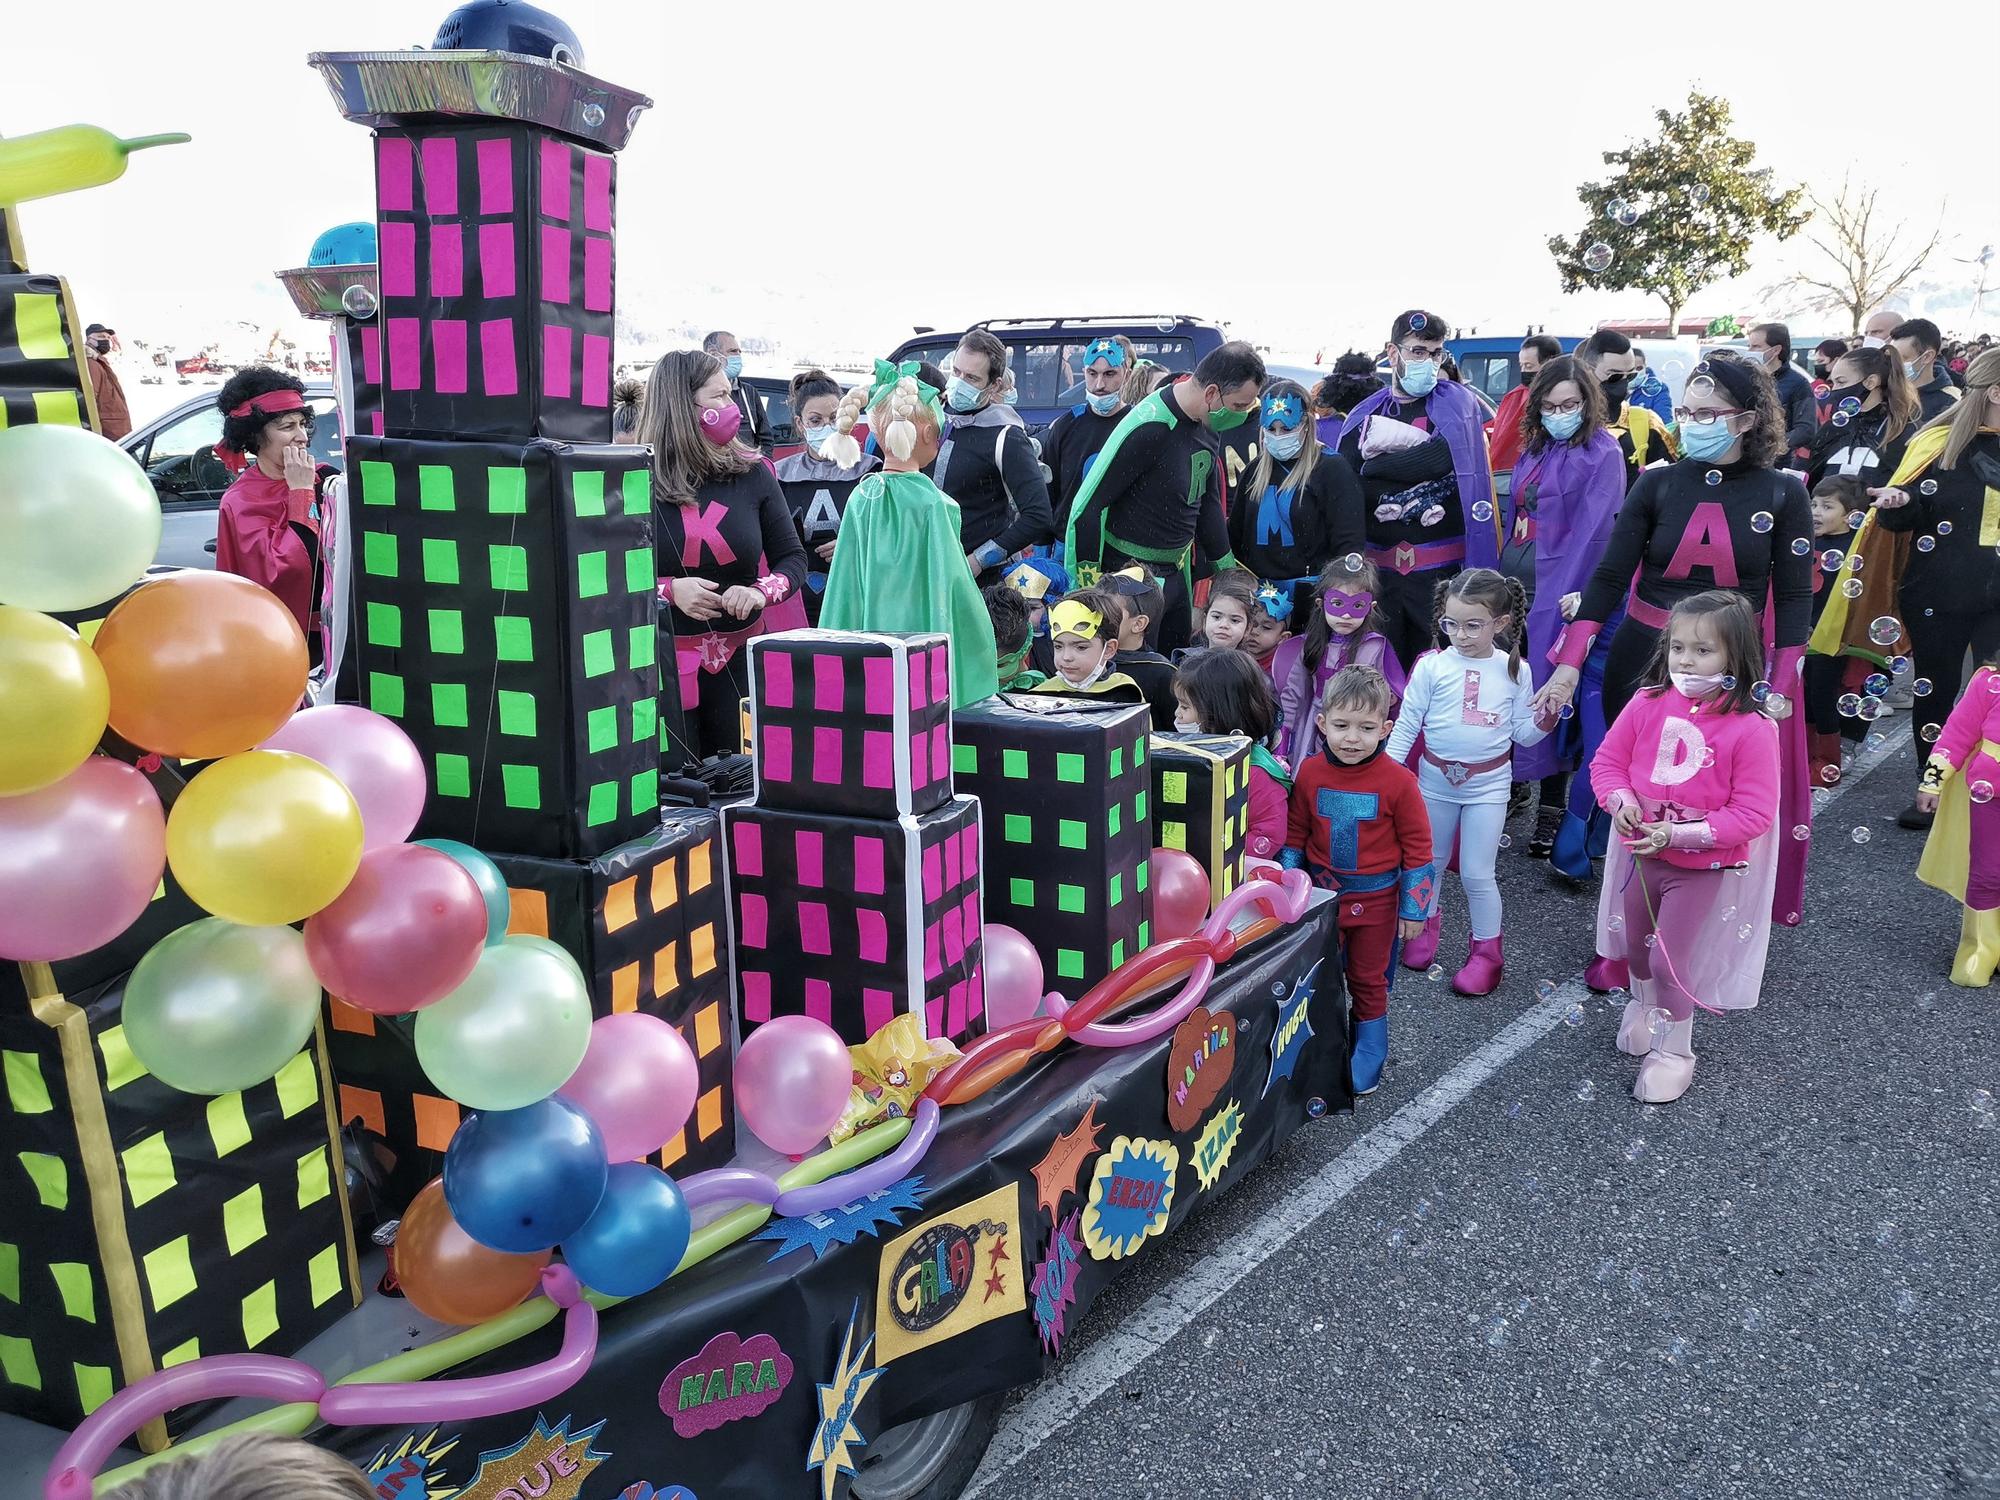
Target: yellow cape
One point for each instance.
(1882, 555)
(1947, 858)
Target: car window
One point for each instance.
(181, 459)
(1493, 374)
(1176, 354)
(326, 437)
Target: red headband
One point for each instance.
(270, 404)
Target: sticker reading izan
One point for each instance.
(1131, 1195)
(1209, 1156)
(950, 1274)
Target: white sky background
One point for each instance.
(807, 178)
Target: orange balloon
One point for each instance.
(201, 665)
(450, 1276)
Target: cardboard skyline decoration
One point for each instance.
(1201, 801)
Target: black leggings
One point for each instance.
(713, 725)
(1408, 602)
(1175, 627)
(1631, 651)
(1938, 642)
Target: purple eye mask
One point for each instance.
(1338, 605)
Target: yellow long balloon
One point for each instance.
(67, 158)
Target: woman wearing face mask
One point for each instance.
(817, 488)
(1871, 410)
(271, 520)
(987, 464)
(1720, 517)
(726, 546)
(1076, 437)
(1300, 503)
(1569, 481)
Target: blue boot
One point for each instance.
(1371, 1051)
(1571, 854)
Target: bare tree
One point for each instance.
(1869, 258)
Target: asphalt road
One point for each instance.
(1504, 1277)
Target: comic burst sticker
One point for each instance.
(1288, 1041)
(1210, 1154)
(1131, 1195)
(413, 1469)
(550, 1463)
(837, 1436)
(846, 1223)
(1055, 1283)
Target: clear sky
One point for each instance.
(808, 174)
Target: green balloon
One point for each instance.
(513, 1032)
(216, 1007)
(486, 875)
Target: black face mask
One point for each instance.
(1821, 371)
(1615, 392)
(1527, 379)
(1840, 393)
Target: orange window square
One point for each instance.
(350, 1017)
(698, 867)
(664, 963)
(707, 1029)
(530, 912)
(708, 1114)
(364, 1105)
(666, 890)
(621, 904)
(625, 988)
(436, 1120)
(675, 1149)
(701, 950)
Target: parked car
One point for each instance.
(1492, 366)
(177, 451)
(777, 393)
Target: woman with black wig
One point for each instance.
(271, 519)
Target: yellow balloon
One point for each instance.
(264, 838)
(53, 701)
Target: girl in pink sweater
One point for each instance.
(1226, 692)
(1962, 854)
(1689, 774)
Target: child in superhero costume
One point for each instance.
(1222, 692)
(1345, 630)
(1962, 854)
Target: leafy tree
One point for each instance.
(1863, 260)
(1678, 213)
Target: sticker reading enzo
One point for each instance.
(1209, 1156)
(1199, 1061)
(732, 1378)
(1131, 1196)
(950, 1274)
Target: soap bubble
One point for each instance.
(1597, 257)
(1434, 973)
(1573, 1015)
(1699, 192)
(1418, 322)
(1982, 1102)
(1657, 1021)
(1481, 511)
(1840, 419)
(1875, 684)
(1567, 711)
(1884, 629)
(1862, 835)
(1743, 933)
(1851, 588)
(1506, 842)
(1496, 1331)
(1544, 989)
(1855, 518)
(1761, 523)
(1728, 683)
(1800, 546)
(1801, 832)
(1849, 705)
(1164, 325)
(1760, 692)
(1831, 559)
(1944, 528)
(358, 301)
(1829, 774)
(1622, 212)
(1929, 733)
(1871, 709)
(1926, 544)
(1634, 1152)
(1352, 562)
(1859, 562)
(593, 115)
(1615, 922)
(1586, 1091)
(1979, 791)
(1714, 476)
(1850, 403)
(1928, 487)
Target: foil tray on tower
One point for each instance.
(388, 88)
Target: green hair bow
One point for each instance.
(886, 376)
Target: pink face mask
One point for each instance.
(1339, 606)
(719, 423)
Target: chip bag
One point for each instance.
(890, 1071)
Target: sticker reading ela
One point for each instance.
(950, 1274)
(844, 1225)
(1131, 1194)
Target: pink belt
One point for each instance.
(1404, 558)
(1458, 772)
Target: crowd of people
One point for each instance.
(1655, 626)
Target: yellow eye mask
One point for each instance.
(1072, 618)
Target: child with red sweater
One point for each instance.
(1689, 774)
(1224, 692)
(1359, 827)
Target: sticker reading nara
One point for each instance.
(412, 1470)
(837, 1436)
(1199, 1061)
(1055, 1283)
(844, 1225)
(1288, 1042)
(950, 1274)
(548, 1464)
(1056, 1173)
(1215, 1145)
(1131, 1195)
(732, 1378)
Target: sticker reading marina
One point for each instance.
(1199, 1061)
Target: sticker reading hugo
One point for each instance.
(732, 1378)
(1288, 1041)
(412, 1470)
(1210, 1154)
(950, 1274)
(1131, 1195)
(837, 1436)
(1199, 1061)
(548, 1464)
(1055, 1283)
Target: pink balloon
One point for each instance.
(1180, 894)
(637, 1080)
(793, 1076)
(374, 760)
(1013, 977)
(79, 860)
(404, 934)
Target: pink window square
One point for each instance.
(496, 260)
(933, 874)
(555, 265)
(878, 758)
(756, 995)
(777, 753)
(878, 1008)
(826, 769)
(774, 669)
(829, 684)
(878, 696)
(868, 878)
(810, 850)
(815, 932)
(753, 920)
(441, 175)
(819, 1000)
(555, 180)
(749, 848)
(395, 171)
(873, 927)
(496, 177)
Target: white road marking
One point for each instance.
(1063, 1397)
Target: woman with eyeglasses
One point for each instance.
(269, 524)
(1720, 517)
(1076, 437)
(1569, 478)
(1300, 504)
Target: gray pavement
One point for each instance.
(1503, 1277)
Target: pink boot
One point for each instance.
(1481, 974)
(1669, 1068)
(1635, 1037)
(1607, 974)
(1421, 949)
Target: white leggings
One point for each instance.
(1477, 827)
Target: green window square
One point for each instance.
(10, 1272)
(149, 1168)
(586, 488)
(434, 488)
(447, 628)
(169, 1272)
(1019, 828)
(181, 1353)
(1139, 752)
(454, 776)
(642, 644)
(517, 712)
(378, 482)
(315, 1181)
(120, 1066)
(645, 793)
(448, 705)
(1117, 760)
(378, 554)
(964, 759)
(1174, 787)
(513, 639)
(1113, 821)
(1021, 892)
(227, 1125)
(509, 567)
(1071, 898)
(79, 1298)
(1139, 876)
(600, 729)
(1071, 833)
(1014, 764)
(385, 625)
(27, 1090)
(645, 719)
(243, 1219)
(597, 656)
(590, 582)
(1118, 953)
(601, 804)
(17, 1363)
(1069, 767)
(1138, 807)
(323, 1275)
(639, 575)
(260, 1315)
(1145, 934)
(298, 1085)
(93, 1385)
(637, 487)
(1069, 963)
(385, 694)
(521, 786)
(440, 560)
(1115, 892)
(507, 492)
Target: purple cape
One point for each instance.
(1456, 415)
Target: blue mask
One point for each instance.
(1909, 369)
(733, 366)
(1561, 425)
(1284, 446)
(818, 437)
(1419, 377)
(1708, 442)
(961, 395)
(1105, 404)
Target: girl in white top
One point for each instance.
(1472, 705)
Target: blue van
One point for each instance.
(1492, 366)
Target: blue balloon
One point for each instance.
(519, 1180)
(486, 875)
(637, 1236)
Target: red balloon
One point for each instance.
(1180, 894)
(404, 934)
